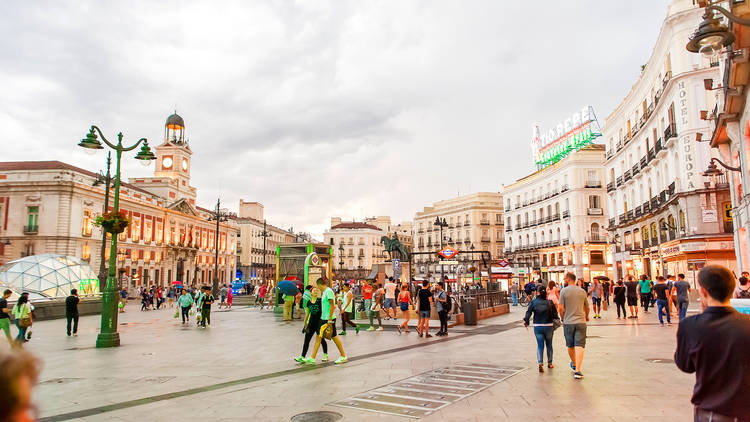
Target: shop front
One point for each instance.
(688, 256)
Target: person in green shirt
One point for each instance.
(327, 320)
(185, 302)
(22, 315)
(644, 285)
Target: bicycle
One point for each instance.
(524, 299)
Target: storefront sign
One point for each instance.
(709, 215)
(671, 250)
(447, 262)
(570, 135)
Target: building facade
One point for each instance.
(357, 245)
(473, 221)
(257, 241)
(555, 219)
(730, 134)
(50, 207)
(665, 216)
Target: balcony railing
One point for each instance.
(654, 203)
(627, 176)
(658, 146)
(566, 214)
(619, 181)
(508, 228)
(611, 222)
(564, 188)
(485, 222)
(670, 131)
(636, 169)
(622, 218)
(644, 162)
(595, 238)
(630, 214)
(646, 207)
(31, 229)
(663, 196)
(610, 186)
(593, 184)
(651, 154)
(595, 211)
(671, 189)
(638, 211)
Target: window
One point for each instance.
(499, 218)
(594, 232)
(597, 258)
(594, 201)
(87, 223)
(32, 219)
(147, 230)
(136, 228)
(160, 232)
(86, 252)
(592, 178)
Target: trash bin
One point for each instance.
(469, 306)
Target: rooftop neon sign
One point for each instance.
(571, 135)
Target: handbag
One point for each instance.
(326, 331)
(24, 322)
(556, 322)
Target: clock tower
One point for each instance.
(172, 173)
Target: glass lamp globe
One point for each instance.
(711, 46)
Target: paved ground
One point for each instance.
(241, 369)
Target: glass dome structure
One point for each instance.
(48, 276)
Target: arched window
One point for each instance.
(594, 232)
(636, 239)
(557, 208)
(671, 227)
(662, 230)
(654, 235)
(683, 223)
(558, 234)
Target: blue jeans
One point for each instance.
(543, 336)
(661, 305)
(21, 337)
(683, 306)
(514, 298)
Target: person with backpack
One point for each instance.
(441, 299)
(743, 290)
(545, 313)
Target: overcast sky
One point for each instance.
(318, 108)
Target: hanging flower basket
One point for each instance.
(113, 222)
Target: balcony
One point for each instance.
(671, 189)
(654, 203)
(564, 188)
(663, 196)
(670, 131)
(644, 162)
(595, 211)
(638, 211)
(485, 239)
(608, 154)
(619, 181)
(611, 222)
(593, 184)
(610, 186)
(595, 238)
(507, 209)
(566, 214)
(467, 224)
(565, 241)
(31, 229)
(556, 217)
(636, 169)
(622, 218)
(627, 176)
(630, 214)
(651, 154)
(485, 222)
(619, 146)
(508, 229)
(646, 207)
(658, 146)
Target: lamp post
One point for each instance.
(106, 179)
(341, 257)
(219, 217)
(108, 335)
(265, 236)
(441, 223)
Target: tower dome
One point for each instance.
(174, 129)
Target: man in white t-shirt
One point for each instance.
(390, 298)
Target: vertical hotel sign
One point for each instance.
(568, 136)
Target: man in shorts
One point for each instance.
(574, 311)
(424, 304)
(631, 293)
(328, 306)
(390, 298)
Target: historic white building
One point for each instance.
(50, 207)
(555, 218)
(665, 217)
(356, 244)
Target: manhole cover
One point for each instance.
(658, 360)
(320, 416)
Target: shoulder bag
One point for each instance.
(556, 322)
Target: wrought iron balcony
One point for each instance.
(622, 218)
(654, 203)
(627, 176)
(31, 229)
(564, 188)
(636, 169)
(619, 181)
(670, 131)
(566, 214)
(644, 162)
(593, 184)
(508, 228)
(651, 154)
(646, 207)
(671, 189)
(663, 196)
(610, 186)
(595, 238)
(595, 211)
(630, 214)
(611, 222)
(638, 211)
(658, 146)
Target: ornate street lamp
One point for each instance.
(218, 216)
(108, 335)
(712, 35)
(341, 257)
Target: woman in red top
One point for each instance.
(405, 303)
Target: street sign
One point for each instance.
(448, 253)
(503, 263)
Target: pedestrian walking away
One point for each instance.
(313, 310)
(645, 289)
(424, 305)
(390, 298)
(553, 293)
(631, 294)
(714, 345)
(71, 311)
(5, 315)
(23, 317)
(405, 304)
(185, 302)
(346, 308)
(170, 297)
(261, 295)
(223, 296)
(377, 305)
(206, 303)
(662, 293)
(514, 292)
(327, 322)
(441, 302)
(545, 314)
(367, 299)
(230, 296)
(619, 298)
(682, 289)
(123, 299)
(574, 311)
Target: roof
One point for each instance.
(59, 165)
(354, 225)
(175, 120)
(241, 220)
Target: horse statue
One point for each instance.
(394, 246)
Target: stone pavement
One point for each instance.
(241, 369)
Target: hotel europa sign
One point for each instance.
(570, 135)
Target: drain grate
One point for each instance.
(320, 416)
(423, 394)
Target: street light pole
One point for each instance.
(108, 335)
(219, 217)
(441, 223)
(265, 235)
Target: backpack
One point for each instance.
(743, 294)
(448, 303)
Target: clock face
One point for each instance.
(166, 163)
(184, 164)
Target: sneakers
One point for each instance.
(550, 365)
(572, 366)
(342, 359)
(325, 357)
(343, 333)
(299, 359)
(541, 368)
(577, 375)
(428, 335)
(308, 361)
(371, 328)
(379, 329)
(398, 327)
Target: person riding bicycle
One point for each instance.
(529, 288)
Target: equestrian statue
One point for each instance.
(395, 248)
